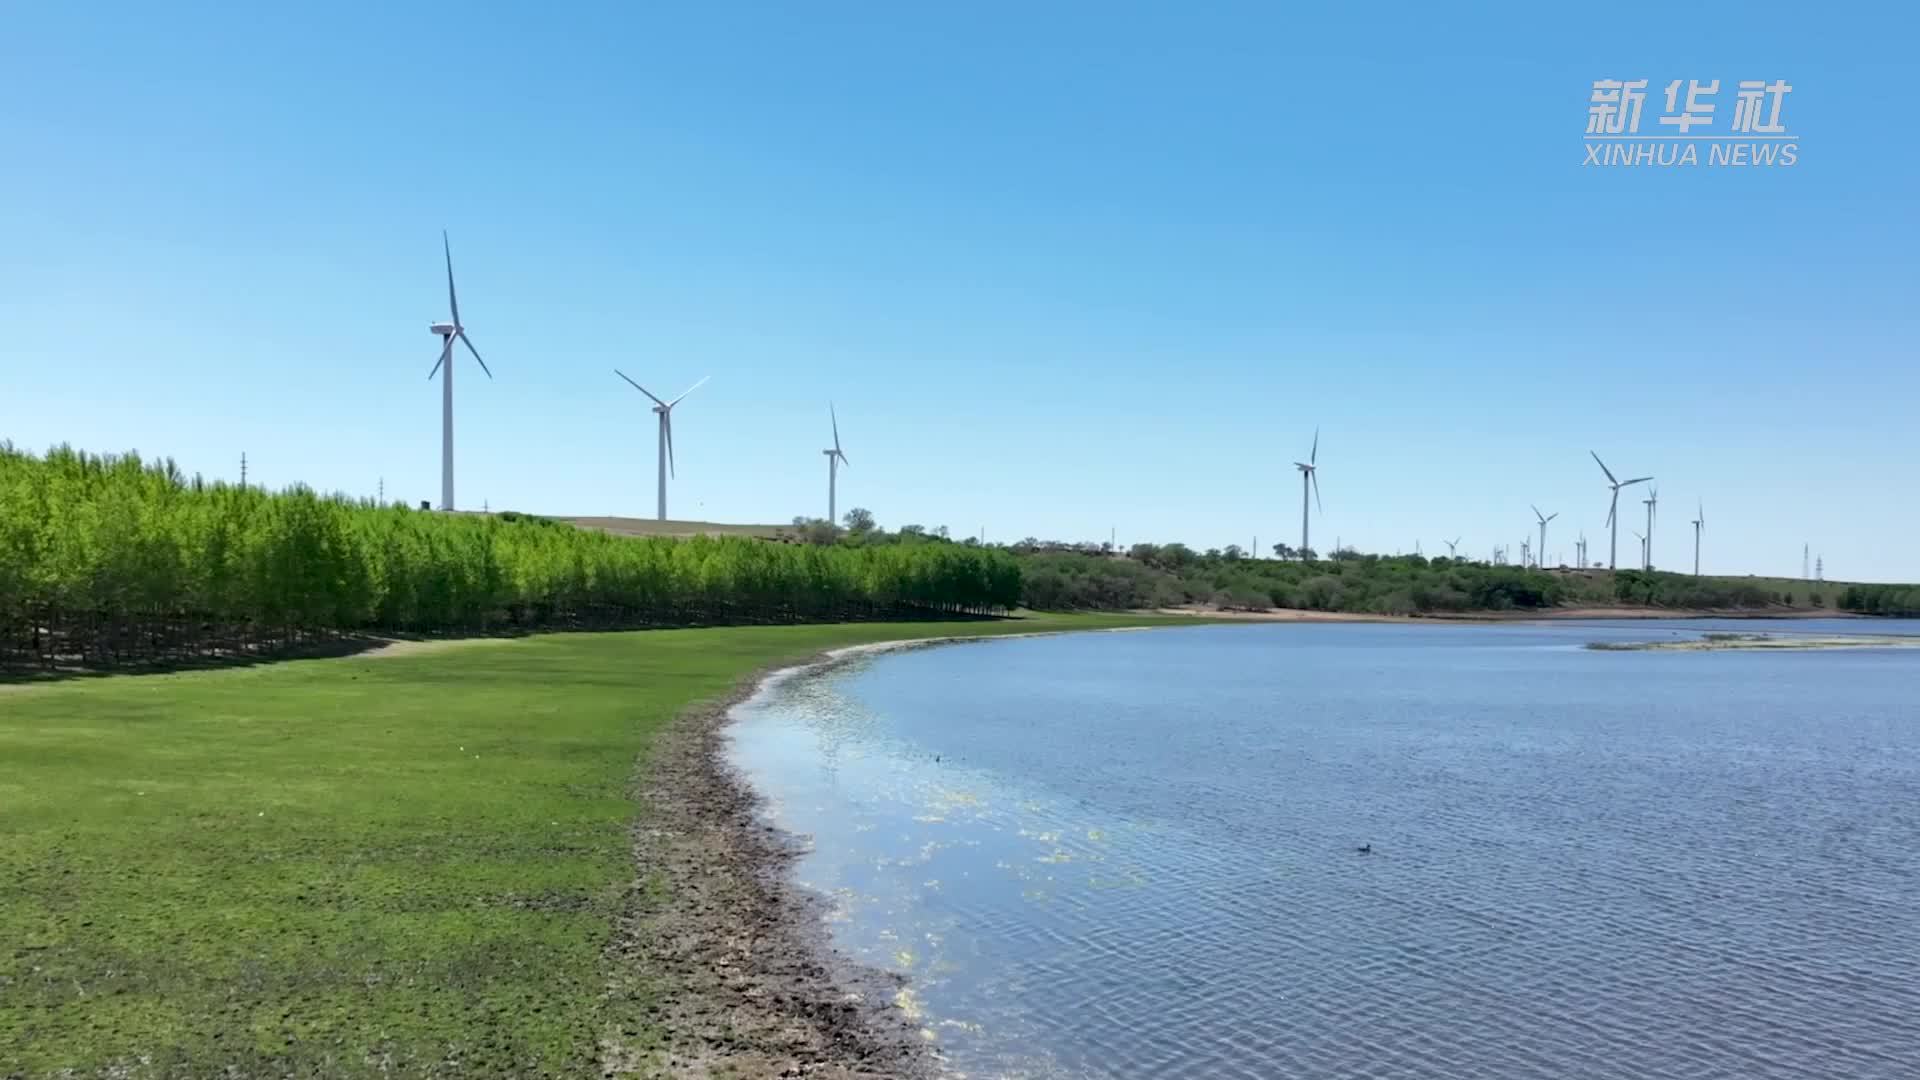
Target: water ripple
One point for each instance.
(1133, 855)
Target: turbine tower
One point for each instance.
(1643, 547)
(448, 331)
(1652, 500)
(664, 409)
(835, 458)
(1699, 522)
(1542, 557)
(1309, 478)
(1613, 508)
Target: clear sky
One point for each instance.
(1062, 267)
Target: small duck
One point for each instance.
(1366, 848)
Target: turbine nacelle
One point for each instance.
(443, 329)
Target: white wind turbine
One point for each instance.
(448, 331)
(1699, 523)
(1652, 501)
(1613, 516)
(1309, 478)
(664, 409)
(835, 458)
(1643, 547)
(1540, 557)
(1453, 548)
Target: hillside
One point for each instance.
(626, 526)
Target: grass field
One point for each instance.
(401, 865)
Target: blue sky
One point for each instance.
(1063, 268)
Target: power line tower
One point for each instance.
(1804, 574)
(381, 498)
(243, 470)
(1819, 568)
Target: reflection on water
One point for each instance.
(1134, 854)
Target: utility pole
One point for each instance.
(1819, 568)
(382, 497)
(1805, 574)
(243, 470)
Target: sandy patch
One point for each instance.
(397, 648)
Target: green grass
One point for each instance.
(402, 865)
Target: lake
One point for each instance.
(1135, 854)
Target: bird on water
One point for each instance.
(1366, 848)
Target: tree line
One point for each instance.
(1172, 574)
(111, 558)
(1902, 600)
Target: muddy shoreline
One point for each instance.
(736, 959)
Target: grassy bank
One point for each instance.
(377, 865)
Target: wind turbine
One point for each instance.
(835, 458)
(1698, 523)
(1309, 478)
(1652, 500)
(1613, 517)
(448, 331)
(1543, 531)
(1643, 547)
(664, 409)
(1453, 548)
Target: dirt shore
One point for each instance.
(744, 981)
(744, 978)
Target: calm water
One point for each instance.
(1134, 854)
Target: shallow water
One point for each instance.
(1134, 854)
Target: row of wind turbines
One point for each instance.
(1310, 479)
(455, 330)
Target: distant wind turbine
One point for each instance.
(835, 458)
(1699, 522)
(1643, 547)
(1453, 548)
(1613, 508)
(1309, 478)
(1542, 555)
(1652, 501)
(448, 331)
(664, 409)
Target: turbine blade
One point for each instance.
(468, 342)
(1603, 467)
(1535, 509)
(1315, 455)
(446, 351)
(1641, 480)
(836, 429)
(1314, 475)
(453, 301)
(640, 388)
(666, 421)
(690, 390)
(1551, 516)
